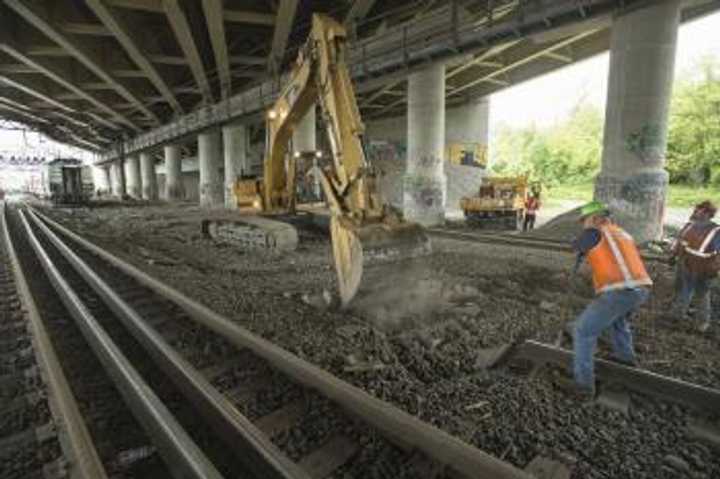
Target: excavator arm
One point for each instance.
(366, 232)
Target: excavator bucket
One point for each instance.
(375, 259)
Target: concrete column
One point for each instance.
(132, 177)
(174, 189)
(469, 124)
(236, 160)
(424, 184)
(149, 178)
(118, 178)
(305, 139)
(210, 162)
(305, 136)
(632, 180)
(101, 178)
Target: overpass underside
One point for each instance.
(127, 78)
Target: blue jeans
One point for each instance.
(610, 310)
(691, 285)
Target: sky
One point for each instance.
(542, 101)
(547, 99)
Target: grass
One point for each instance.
(679, 196)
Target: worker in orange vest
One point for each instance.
(698, 250)
(621, 284)
(532, 205)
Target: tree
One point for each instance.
(567, 153)
(693, 154)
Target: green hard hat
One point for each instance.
(592, 208)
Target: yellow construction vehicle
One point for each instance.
(500, 203)
(366, 232)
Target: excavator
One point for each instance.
(368, 236)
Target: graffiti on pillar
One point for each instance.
(638, 202)
(646, 142)
(426, 192)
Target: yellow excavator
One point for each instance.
(367, 234)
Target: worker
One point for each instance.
(698, 251)
(621, 284)
(532, 205)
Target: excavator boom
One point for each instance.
(368, 236)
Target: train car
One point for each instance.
(67, 181)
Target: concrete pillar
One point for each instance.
(210, 162)
(424, 183)
(632, 179)
(149, 178)
(132, 177)
(305, 139)
(469, 124)
(101, 179)
(305, 136)
(117, 172)
(236, 160)
(174, 189)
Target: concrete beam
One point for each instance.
(152, 6)
(48, 52)
(213, 10)
(283, 26)
(22, 112)
(181, 27)
(359, 10)
(255, 18)
(523, 61)
(56, 76)
(168, 60)
(16, 68)
(23, 87)
(42, 22)
(248, 60)
(129, 73)
(120, 30)
(80, 28)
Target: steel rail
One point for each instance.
(75, 440)
(636, 379)
(529, 243)
(182, 456)
(259, 453)
(396, 425)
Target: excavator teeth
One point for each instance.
(376, 258)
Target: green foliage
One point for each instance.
(567, 153)
(693, 155)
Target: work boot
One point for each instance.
(575, 391)
(632, 363)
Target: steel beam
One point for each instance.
(41, 21)
(183, 33)
(120, 30)
(285, 18)
(213, 10)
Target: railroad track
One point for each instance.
(43, 434)
(504, 239)
(233, 399)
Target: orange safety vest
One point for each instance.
(616, 262)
